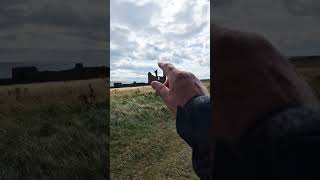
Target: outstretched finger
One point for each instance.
(167, 68)
(161, 90)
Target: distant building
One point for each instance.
(156, 77)
(134, 84)
(24, 74)
(33, 75)
(151, 78)
(117, 85)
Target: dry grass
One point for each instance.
(56, 130)
(34, 96)
(144, 142)
(128, 90)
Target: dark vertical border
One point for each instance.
(108, 88)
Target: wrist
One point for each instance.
(193, 119)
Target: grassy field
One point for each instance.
(56, 130)
(144, 142)
(61, 130)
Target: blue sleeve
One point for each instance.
(192, 123)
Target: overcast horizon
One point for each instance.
(34, 32)
(145, 32)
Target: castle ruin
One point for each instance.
(151, 77)
(22, 75)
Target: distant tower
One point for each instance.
(156, 72)
(151, 77)
(79, 66)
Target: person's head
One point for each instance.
(250, 79)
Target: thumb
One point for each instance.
(161, 90)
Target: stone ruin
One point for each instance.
(151, 77)
(22, 75)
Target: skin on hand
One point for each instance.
(251, 80)
(179, 87)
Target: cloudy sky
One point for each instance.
(147, 31)
(37, 32)
(293, 26)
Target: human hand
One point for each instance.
(179, 87)
(251, 81)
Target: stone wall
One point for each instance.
(32, 75)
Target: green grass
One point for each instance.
(60, 130)
(54, 131)
(144, 142)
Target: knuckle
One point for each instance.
(182, 76)
(166, 65)
(169, 64)
(160, 88)
(190, 75)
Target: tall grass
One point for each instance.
(144, 142)
(54, 130)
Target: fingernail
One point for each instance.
(153, 85)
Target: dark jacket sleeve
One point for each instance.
(285, 145)
(192, 123)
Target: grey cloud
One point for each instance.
(90, 35)
(64, 15)
(204, 62)
(55, 13)
(286, 28)
(25, 55)
(136, 17)
(150, 56)
(178, 58)
(11, 13)
(132, 67)
(186, 15)
(54, 30)
(141, 34)
(120, 36)
(192, 29)
(303, 8)
(13, 50)
(155, 48)
(9, 37)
